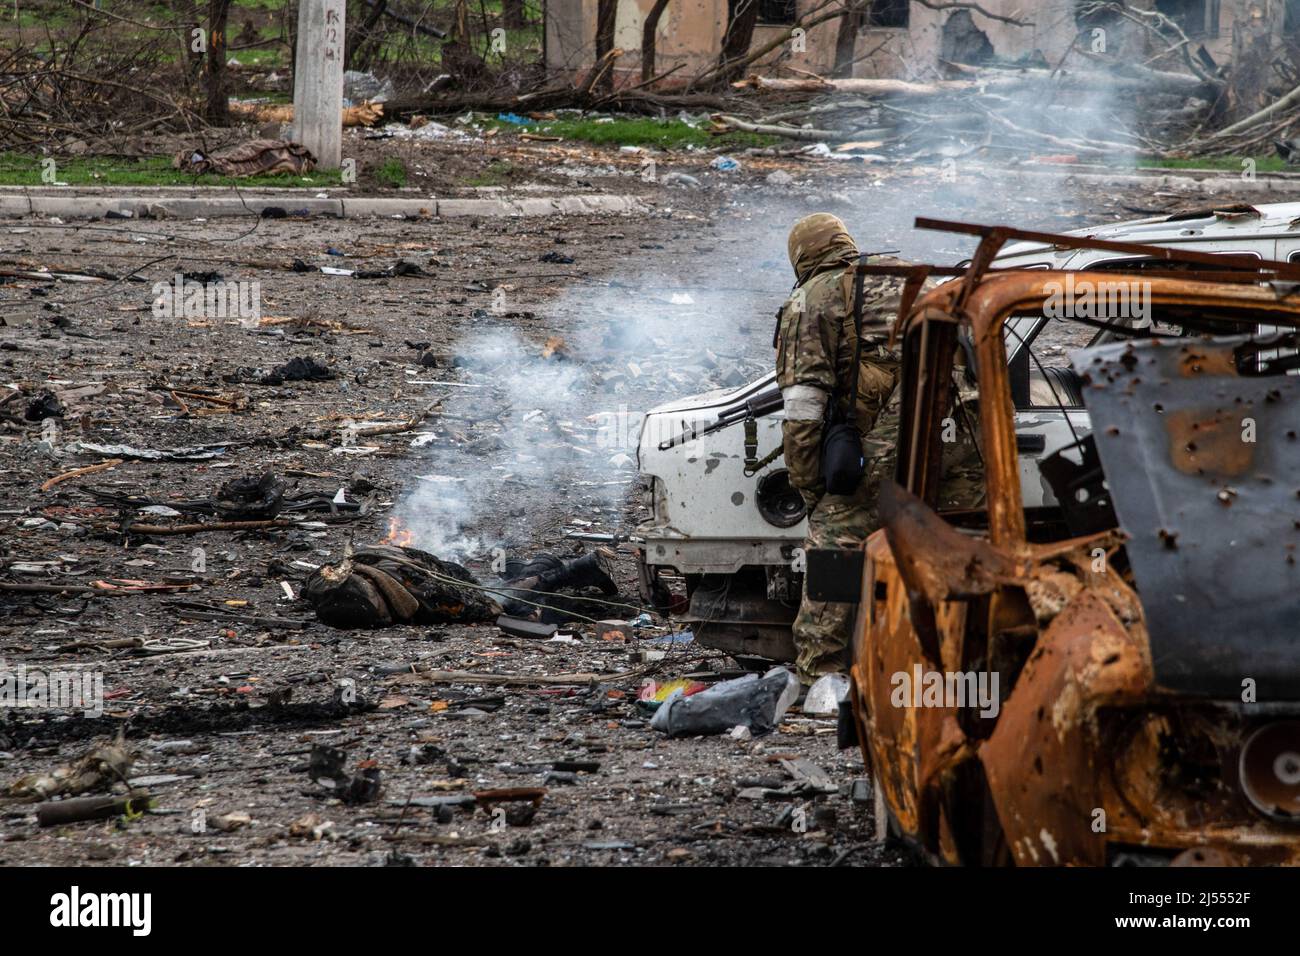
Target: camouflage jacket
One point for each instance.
(815, 345)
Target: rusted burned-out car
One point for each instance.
(1115, 676)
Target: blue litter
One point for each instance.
(681, 637)
(513, 118)
(725, 163)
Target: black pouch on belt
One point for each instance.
(843, 464)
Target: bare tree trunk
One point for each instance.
(1253, 51)
(291, 31)
(360, 35)
(512, 14)
(846, 42)
(742, 15)
(458, 56)
(606, 16)
(648, 39)
(218, 101)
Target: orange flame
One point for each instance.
(398, 533)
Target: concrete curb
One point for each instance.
(72, 206)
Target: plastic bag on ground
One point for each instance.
(366, 88)
(757, 703)
(825, 694)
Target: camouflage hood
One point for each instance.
(819, 242)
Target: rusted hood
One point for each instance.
(1202, 458)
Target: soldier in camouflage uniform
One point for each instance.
(815, 348)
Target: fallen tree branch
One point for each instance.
(598, 70)
(767, 129)
(78, 472)
(640, 86)
(51, 589)
(200, 528)
(398, 427)
(1054, 140)
(639, 101)
(413, 24)
(831, 107)
(1290, 99)
(877, 87)
(1122, 76)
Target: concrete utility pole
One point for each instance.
(318, 80)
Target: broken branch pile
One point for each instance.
(1074, 114)
(86, 83)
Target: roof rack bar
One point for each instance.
(909, 271)
(1288, 270)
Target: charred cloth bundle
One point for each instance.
(541, 579)
(258, 157)
(384, 585)
(251, 497)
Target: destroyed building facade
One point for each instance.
(913, 40)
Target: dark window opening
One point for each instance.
(964, 42)
(889, 14)
(1198, 18)
(781, 12)
(1165, 265)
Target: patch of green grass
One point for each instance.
(637, 131)
(392, 172)
(17, 169)
(259, 56)
(1263, 164)
(36, 19)
(495, 174)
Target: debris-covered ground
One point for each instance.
(474, 389)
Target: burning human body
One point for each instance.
(389, 584)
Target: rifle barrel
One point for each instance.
(765, 403)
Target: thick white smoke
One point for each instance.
(541, 436)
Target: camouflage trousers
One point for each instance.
(823, 629)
